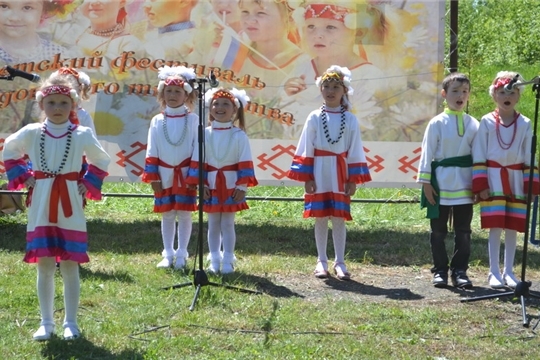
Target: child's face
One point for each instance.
(175, 96)
(328, 37)
(332, 92)
(19, 18)
(457, 95)
(57, 107)
(161, 13)
(102, 13)
(506, 100)
(261, 23)
(222, 110)
(227, 8)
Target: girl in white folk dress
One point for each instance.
(228, 172)
(56, 231)
(171, 140)
(330, 143)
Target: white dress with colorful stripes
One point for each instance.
(442, 141)
(169, 163)
(228, 166)
(501, 164)
(330, 165)
(56, 222)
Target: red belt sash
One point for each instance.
(178, 178)
(221, 182)
(59, 193)
(341, 166)
(505, 178)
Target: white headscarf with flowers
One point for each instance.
(183, 72)
(240, 96)
(341, 74)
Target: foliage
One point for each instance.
(495, 32)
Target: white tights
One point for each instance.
(339, 234)
(494, 245)
(221, 232)
(45, 288)
(168, 229)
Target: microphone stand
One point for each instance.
(200, 278)
(522, 288)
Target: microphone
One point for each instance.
(212, 80)
(512, 84)
(15, 72)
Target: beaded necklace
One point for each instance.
(504, 145)
(166, 130)
(106, 32)
(325, 125)
(42, 161)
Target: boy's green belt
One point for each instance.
(457, 161)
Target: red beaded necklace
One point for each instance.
(502, 144)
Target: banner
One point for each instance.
(274, 49)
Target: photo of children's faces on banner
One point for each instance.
(273, 49)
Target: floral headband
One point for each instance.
(59, 8)
(57, 90)
(502, 81)
(349, 17)
(336, 73)
(236, 96)
(82, 78)
(177, 76)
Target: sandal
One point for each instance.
(341, 271)
(321, 270)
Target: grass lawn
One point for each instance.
(388, 310)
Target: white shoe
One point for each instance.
(215, 262)
(227, 263)
(180, 263)
(510, 280)
(165, 263)
(495, 281)
(227, 268)
(71, 332)
(44, 333)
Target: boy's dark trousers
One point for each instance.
(462, 217)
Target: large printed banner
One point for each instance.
(274, 49)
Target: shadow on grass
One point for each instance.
(267, 287)
(106, 276)
(58, 348)
(364, 289)
(385, 245)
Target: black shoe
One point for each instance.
(461, 280)
(440, 280)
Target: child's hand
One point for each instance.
(156, 186)
(430, 193)
(476, 199)
(238, 195)
(350, 188)
(310, 187)
(295, 85)
(30, 182)
(206, 193)
(484, 194)
(82, 189)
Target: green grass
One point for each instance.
(124, 313)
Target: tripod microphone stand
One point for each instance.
(200, 278)
(522, 289)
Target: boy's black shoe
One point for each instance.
(440, 280)
(461, 280)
